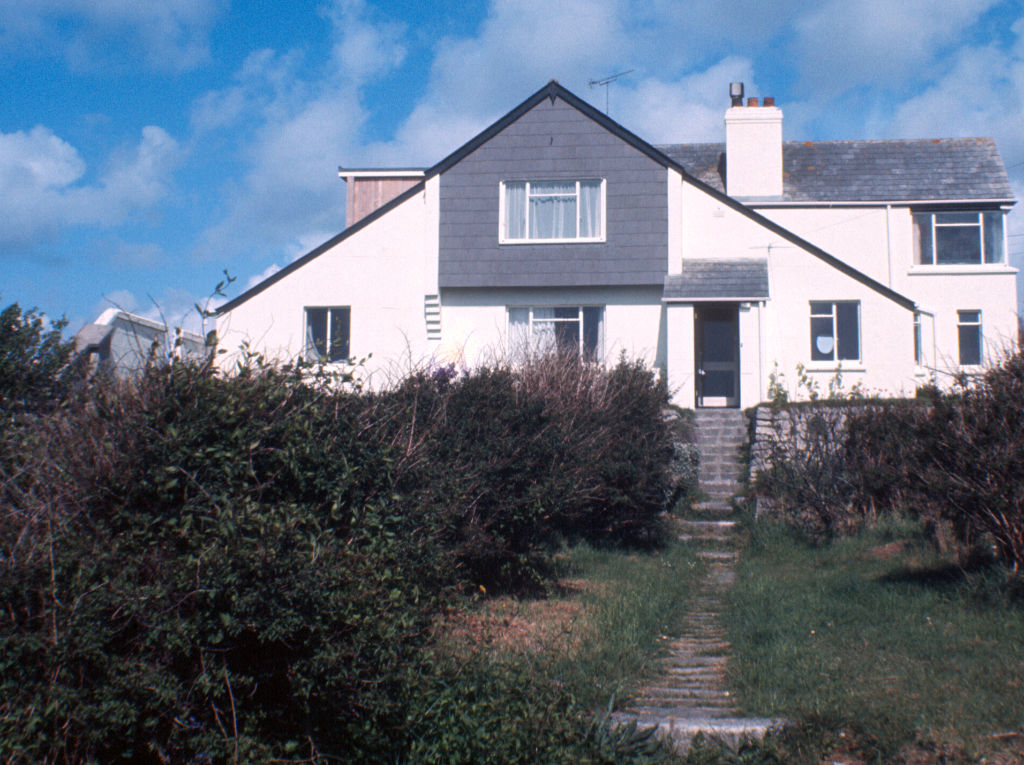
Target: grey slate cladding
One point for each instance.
(942, 169)
(719, 280)
(549, 142)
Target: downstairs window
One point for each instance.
(835, 331)
(327, 334)
(574, 329)
(968, 328)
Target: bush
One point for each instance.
(507, 464)
(955, 460)
(198, 567)
(206, 568)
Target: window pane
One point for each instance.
(567, 336)
(316, 332)
(994, 237)
(822, 340)
(923, 239)
(590, 208)
(552, 217)
(592, 333)
(515, 210)
(848, 346)
(519, 331)
(339, 334)
(969, 317)
(821, 309)
(957, 244)
(955, 217)
(970, 343)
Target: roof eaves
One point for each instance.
(299, 263)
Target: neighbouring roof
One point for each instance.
(717, 279)
(940, 169)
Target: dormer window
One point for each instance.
(959, 238)
(552, 211)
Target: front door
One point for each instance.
(717, 353)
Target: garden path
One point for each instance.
(690, 695)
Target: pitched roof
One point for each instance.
(941, 169)
(734, 279)
(552, 91)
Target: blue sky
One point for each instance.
(146, 147)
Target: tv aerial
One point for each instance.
(607, 81)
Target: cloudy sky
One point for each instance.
(146, 147)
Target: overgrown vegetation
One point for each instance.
(953, 460)
(206, 568)
(876, 647)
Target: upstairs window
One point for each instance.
(958, 238)
(968, 327)
(575, 330)
(327, 334)
(552, 211)
(835, 331)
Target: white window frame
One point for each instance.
(935, 222)
(309, 351)
(965, 322)
(533, 320)
(833, 315)
(503, 237)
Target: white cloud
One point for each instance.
(303, 128)
(170, 34)
(842, 44)
(39, 175)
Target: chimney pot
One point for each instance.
(769, 100)
(752, 101)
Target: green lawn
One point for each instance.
(877, 631)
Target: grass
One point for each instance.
(879, 633)
(598, 631)
(525, 680)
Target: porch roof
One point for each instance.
(718, 280)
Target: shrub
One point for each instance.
(206, 568)
(954, 459)
(198, 567)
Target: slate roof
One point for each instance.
(734, 279)
(941, 169)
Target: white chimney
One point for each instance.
(753, 148)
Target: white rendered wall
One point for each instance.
(713, 230)
(858, 236)
(886, 335)
(476, 321)
(879, 241)
(680, 354)
(778, 333)
(944, 290)
(382, 272)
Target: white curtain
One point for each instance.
(519, 332)
(543, 338)
(515, 210)
(590, 208)
(553, 210)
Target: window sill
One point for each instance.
(832, 368)
(959, 270)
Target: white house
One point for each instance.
(124, 343)
(722, 265)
